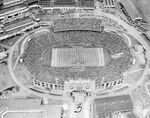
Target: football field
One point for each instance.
(69, 57)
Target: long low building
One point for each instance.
(113, 104)
(18, 30)
(32, 2)
(86, 3)
(8, 3)
(9, 10)
(64, 2)
(18, 23)
(45, 3)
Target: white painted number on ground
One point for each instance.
(78, 108)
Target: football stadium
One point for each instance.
(83, 52)
(74, 59)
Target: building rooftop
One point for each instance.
(113, 104)
(64, 2)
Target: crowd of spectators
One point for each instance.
(70, 36)
(77, 24)
(85, 24)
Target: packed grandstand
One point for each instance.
(90, 55)
(76, 33)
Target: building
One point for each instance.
(131, 115)
(109, 3)
(86, 3)
(106, 106)
(22, 108)
(9, 3)
(64, 2)
(45, 3)
(2, 55)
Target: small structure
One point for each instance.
(138, 49)
(2, 55)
